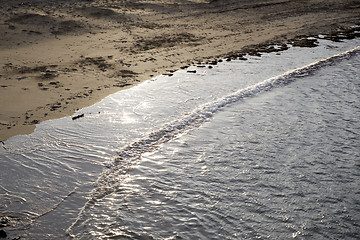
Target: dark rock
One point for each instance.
(254, 52)
(284, 47)
(268, 49)
(334, 38)
(305, 42)
(3, 234)
(191, 71)
(121, 85)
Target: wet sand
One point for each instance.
(65, 55)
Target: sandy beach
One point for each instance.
(65, 55)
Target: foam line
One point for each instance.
(131, 154)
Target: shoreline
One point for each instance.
(61, 58)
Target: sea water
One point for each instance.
(265, 148)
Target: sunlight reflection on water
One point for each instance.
(60, 162)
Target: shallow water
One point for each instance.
(208, 155)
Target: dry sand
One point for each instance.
(62, 55)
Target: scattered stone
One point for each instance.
(49, 74)
(121, 85)
(334, 38)
(100, 62)
(55, 106)
(127, 73)
(344, 33)
(254, 52)
(284, 47)
(305, 42)
(4, 221)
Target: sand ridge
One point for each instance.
(60, 56)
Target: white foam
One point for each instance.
(132, 153)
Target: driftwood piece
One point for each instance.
(78, 116)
